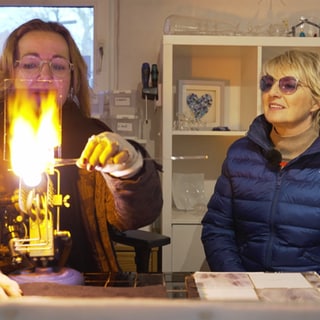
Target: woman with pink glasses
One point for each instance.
(264, 214)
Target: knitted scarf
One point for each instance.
(96, 201)
(292, 146)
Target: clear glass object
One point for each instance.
(188, 191)
(186, 25)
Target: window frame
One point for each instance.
(105, 30)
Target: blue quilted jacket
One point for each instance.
(261, 218)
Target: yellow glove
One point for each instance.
(109, 152)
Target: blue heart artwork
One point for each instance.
(199, 105)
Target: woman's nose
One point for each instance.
(45, 71)
(275, 89)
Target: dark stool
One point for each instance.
(143, 242)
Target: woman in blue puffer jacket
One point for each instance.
(264, 214)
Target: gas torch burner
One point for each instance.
(32, 142)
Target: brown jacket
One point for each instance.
(103, 199)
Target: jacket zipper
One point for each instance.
(268, 256)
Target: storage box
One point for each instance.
(126, 126)
(98, 104)
(122, 102)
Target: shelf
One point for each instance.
(187, 216)
(237, 61)
(241, 41)
(207, 133)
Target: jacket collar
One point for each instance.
(259, 133)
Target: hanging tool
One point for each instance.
(149, 93)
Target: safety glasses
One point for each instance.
(31, 66)
(287, 85)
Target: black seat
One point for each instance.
(142, 242)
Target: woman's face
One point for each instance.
(37, 46)
(290, 114)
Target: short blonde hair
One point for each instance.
(305, 65)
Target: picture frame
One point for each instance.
(202, 101)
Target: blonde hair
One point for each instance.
(304, 65)
(79, 88)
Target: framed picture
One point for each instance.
(202, 101)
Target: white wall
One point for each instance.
(140, 29)
(141, 24)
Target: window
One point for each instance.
(79, 21)
(81, 17)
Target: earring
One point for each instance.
(71, 94)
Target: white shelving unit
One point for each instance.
(238, 60)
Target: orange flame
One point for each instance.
(34, 133)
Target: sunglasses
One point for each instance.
(287, 85)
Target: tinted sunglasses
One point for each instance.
(287, 85)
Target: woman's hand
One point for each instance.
(110, 153)
(8, 287)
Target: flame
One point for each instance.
(34, 133)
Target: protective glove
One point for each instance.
(110, 153)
